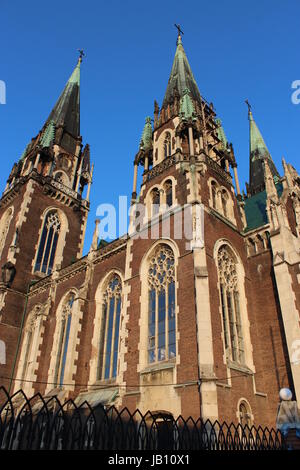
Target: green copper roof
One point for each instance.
(258, 152)
(66, 111)
(181, 77)
(48, 135)
(187, 110)
(221, 133)
(146, 139)
(255, 208)
(25, 152)
(258, 147)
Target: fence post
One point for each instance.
(288, 420)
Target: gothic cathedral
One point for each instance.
(207, 328)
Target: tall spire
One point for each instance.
(66, 111)
(146, 140)
(181, 77)
(258, 154)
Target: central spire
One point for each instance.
(66, 111)
(181, 77)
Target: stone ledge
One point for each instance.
(158, 368)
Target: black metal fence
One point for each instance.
(40, 423)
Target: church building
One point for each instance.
(204, 326)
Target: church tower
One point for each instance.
(43, 211)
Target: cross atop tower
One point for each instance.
(249, 105)
(180, 32)
(81, 54)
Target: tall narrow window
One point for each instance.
(63, 342)
(4, 227)
(167, 145)
(224, 199)
(231, 315)
(169, 193)
(48, 243)
(110, 328)
(155, 201)
(214, 194)
(161, 314)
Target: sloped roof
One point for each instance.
(255, 209)
(181, 77)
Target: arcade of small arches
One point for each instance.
(257, 243)
(220, 200)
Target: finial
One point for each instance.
(81, 55)
(180, 32)
(249, 107)
(94, 244)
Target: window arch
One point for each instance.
(244, 413)
(110, 329)
(48, 243)
(224, 201)
(214, 194)
(32, 338)
(63, 339)
(167, 145)
(161, 305)
(4, 227)
(168, 193)
(230, 302)
(61, 177)
(155, 201)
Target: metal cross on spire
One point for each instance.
(249, 105)
(178, 29)
(81, 54)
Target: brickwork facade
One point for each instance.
(236, 298)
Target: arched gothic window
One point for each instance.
(230, 300)
(161, 314)
(224, 200)
(30, 348)
(63, 341)
(110, 327)
(169, 193)
(167, 145)
(155, 201)
(48, 243)
(4, 227)
(214, 194)
(245, 415)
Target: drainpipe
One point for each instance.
(20, 335)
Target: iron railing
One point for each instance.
(45, 423)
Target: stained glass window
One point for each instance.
(110, 329)
(48, 243)
(161, 313)
(63, 343)
(230, 301)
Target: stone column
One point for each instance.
(146, 166)
(135, 172)
(191, 141)
(236, 179)
(90, 182)
(178, 143)
(208, 388)
(37, 159)
(78, 175)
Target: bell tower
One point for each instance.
(43, 212)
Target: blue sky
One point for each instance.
(236, 49)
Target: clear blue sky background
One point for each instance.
(237, 49)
